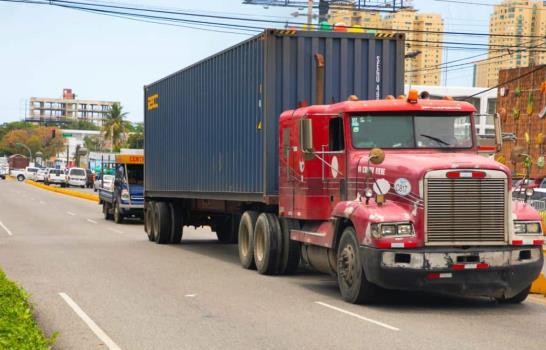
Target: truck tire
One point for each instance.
(246, 239)
(516, 299)
(177, 224)
(106, 211)
(20, 178)
(149, 221)
(290, 249)
(267, 244)
(118, 216)
(353, 285)
(162, 223)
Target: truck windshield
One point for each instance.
(135, 174)
(411, 131)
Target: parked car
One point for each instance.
(90, 178)
(3, 172)
(76, 177)
(41, 175)
(106, 182)
(24, 174)
(56, 176)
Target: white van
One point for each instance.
(76, 177)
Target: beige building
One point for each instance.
(345, 12)
(513, 17)
(68, 108)
(424, 69)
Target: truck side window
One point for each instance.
(285, 142)
(335, 137)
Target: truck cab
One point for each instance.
(392, 193)
(125, 198)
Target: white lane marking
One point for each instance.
(358, 316)
(190, 295)
(90, 323)
(42, 202)
(70, 213)
(5, 228)
(114, 230)
(92, 221)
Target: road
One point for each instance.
(139, 295)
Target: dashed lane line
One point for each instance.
(90, 323)
(6, 229)
(92, 221)
(378, 323)
(114, 230)
(71, 213)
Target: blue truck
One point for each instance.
(125, 198)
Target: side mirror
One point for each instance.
(306, 135)
(376, 156)
(498, 131)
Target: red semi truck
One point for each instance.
(380, 192)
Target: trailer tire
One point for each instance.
(267, 244)
(516, 299)
(246, 239)
(290, 249)
(353, 284)
(177, 224)
(149, 221)
(162, 223)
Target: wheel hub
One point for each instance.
(346, 265)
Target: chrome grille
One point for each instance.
(460, 210)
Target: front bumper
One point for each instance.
(510, 270)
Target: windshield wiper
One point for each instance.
(436, 139)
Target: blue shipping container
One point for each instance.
(211, 128)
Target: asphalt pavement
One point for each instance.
(105, 286)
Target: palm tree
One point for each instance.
(114, 125)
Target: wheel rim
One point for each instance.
(346, 265)
(245, 242)
(260, 245)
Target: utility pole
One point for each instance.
(67, 153)
(309, 13)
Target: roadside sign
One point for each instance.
(67, 135)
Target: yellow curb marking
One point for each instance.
(91, 197)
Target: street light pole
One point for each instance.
(309, 13)
(25, 146)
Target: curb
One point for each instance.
(91, 197)
(539, 285)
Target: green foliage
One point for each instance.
(36, 138)
(7, 127)
(135, 140)
(81, 125)
(18, 329)
(115, 126)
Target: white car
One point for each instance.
(4, 171)
(106, 183)
(24, 174)
(41, 175)
(55, 176)
(76, 177)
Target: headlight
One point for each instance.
(392, 229)
(532, 228)
(529, 192)
(125, 195)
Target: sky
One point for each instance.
(44, 49)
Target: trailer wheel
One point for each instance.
(177, 224)
(353, 285)
(267, 244)
(290, 253)
(149, 221)
(162, 223)
(246, 239)
(516, 299)
(106, 211)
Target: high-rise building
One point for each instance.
(345, 12)
(423, 34)
(524, 24)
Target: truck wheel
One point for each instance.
(149, 221)
(118, 216)
(106, 211)
(20, 178)
(246, 239)
(353, 285)
(290, 253)
(162, 223)
(267, 244)
(177, 224)
(516, 299)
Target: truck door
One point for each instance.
(334, 165)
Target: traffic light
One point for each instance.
(53, 133)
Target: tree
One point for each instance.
(115, 126)
(135, 140)
(93, 143)
(81, 125)
(37, 139)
